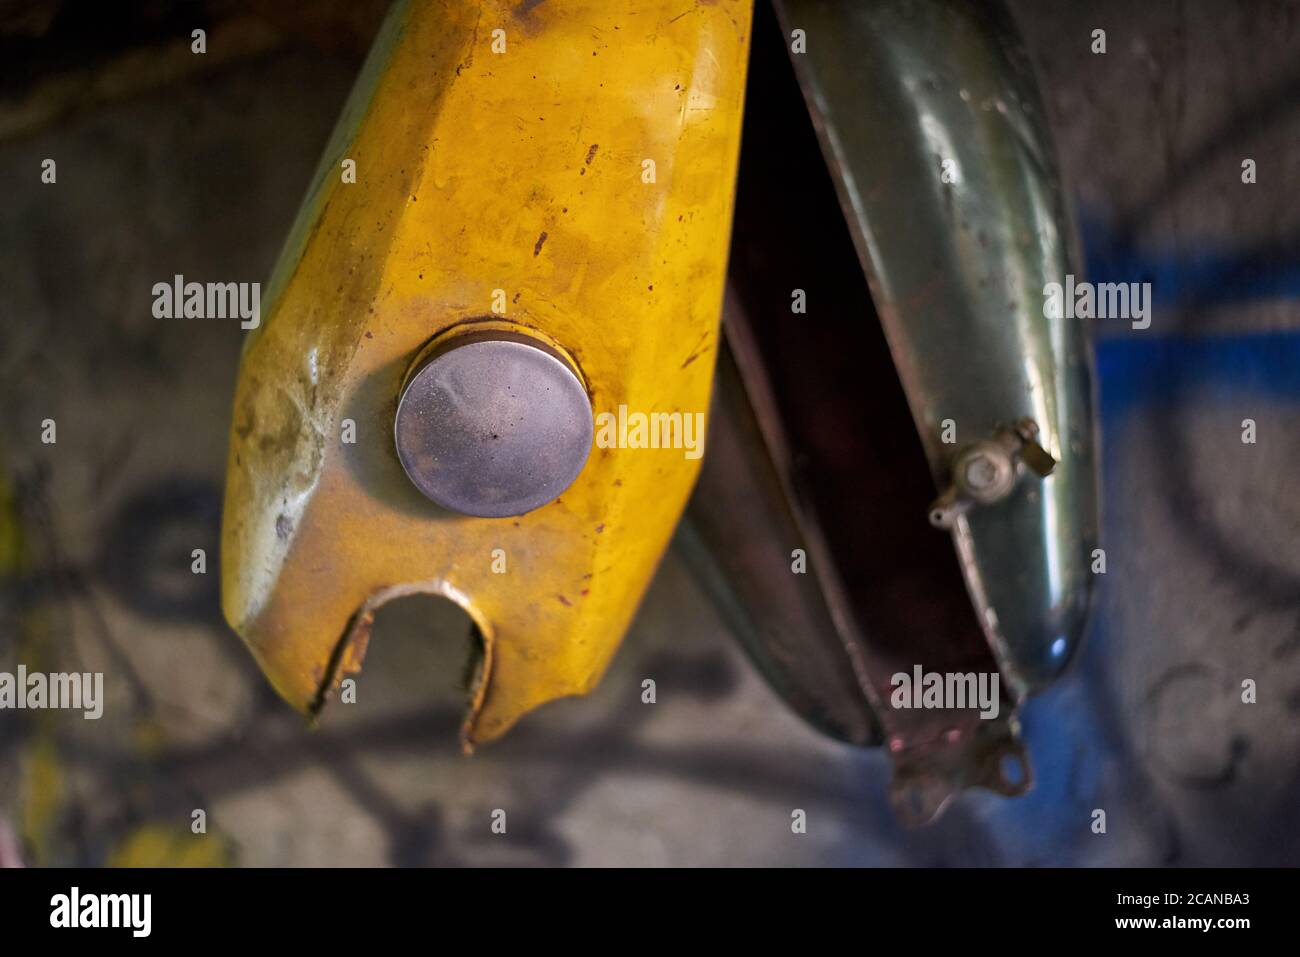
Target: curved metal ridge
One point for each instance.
(936, 138)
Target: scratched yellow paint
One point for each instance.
(477, 170)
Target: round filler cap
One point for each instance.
(493, 424)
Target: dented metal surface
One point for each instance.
(501, 171)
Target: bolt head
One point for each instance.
(986, 472)
(981, 472)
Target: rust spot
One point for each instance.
(564, 601)
(600, 528)
(345, 659)
(697, 351)
(591, 153)
(369, 334)
(245, 428)
(283, 527)
(692, 357)
(540, 239)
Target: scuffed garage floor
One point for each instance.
(1202, 532)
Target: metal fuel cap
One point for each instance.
(492, 423)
